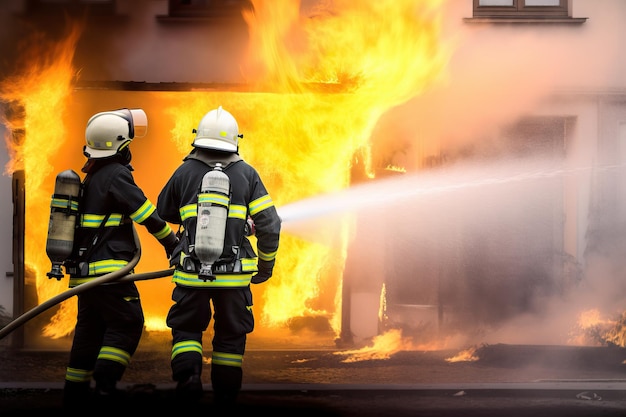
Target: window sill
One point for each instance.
(564, 20)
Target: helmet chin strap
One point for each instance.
(126, 154)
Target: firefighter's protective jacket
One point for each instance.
(177, 204)
(104, 241)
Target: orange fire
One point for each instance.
(392, 341)
(40, 90)
(383, 347)
(326, 80)
(593, 329)
(467, 355)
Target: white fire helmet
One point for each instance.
(110, 131)
(217, 130)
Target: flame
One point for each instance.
(467, 355)
(616, 335)
(37, 96)
(346, 58)
(321, 84)
(383, 347)
(592, 328)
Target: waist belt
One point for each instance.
(193, 265)
(231, 267)
(80, 270)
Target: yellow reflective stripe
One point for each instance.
(64, 203)
(183, 256)
(236, 211)
(267, 256)
(94, 220)
(163, 232)
(114, 354)
(91, 220)
(77, 281)
(146, 209)
(106, 266)
(221, 280)
(248, 265)
(213, 198)
(98, 268)
(190, 210)
(114, 220)
(186, 346)
(78, 375)
(227, 359)
(260, 204)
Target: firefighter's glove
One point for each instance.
(170, 243)
(263, 275)
(249, 228)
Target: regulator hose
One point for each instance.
(119, 275)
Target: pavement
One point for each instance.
(498, 380)
(581, 400)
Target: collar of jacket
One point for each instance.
(93, 164)
(212, 158)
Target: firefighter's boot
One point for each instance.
(189, 386)
(226, 381)
(106, 395)
(76, 396)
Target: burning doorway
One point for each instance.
(305, 287)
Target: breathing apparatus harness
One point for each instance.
(205, 249)
(64, 211)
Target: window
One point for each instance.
(537, 135)
(525, 9)
(207, 8)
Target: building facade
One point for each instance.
(517, 143)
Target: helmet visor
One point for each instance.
(139, 122)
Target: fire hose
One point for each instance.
(121, 275)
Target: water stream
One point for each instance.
(485, 242)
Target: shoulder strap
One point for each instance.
(226, 161)
(95, 242)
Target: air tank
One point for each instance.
(63, 215)
(213, 202)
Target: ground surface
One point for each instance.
(502, 380)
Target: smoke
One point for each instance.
(497, 76)
(479, 238)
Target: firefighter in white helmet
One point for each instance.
(217, 144)
(110, 318)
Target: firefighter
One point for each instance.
(216, 145)
(110, 318)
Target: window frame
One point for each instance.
(519, 10)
